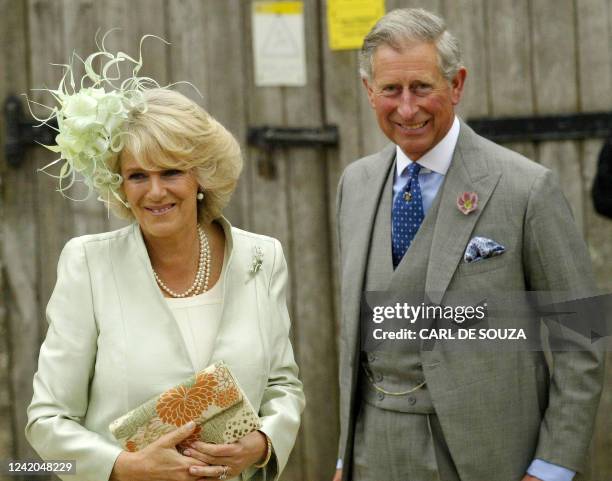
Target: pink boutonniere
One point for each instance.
(467, 202)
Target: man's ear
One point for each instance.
(369, 90)
(457, 84)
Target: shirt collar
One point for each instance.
(437, 159)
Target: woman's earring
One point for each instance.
(200, 196)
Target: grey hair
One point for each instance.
(406, 26)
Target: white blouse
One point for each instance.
(198, 318)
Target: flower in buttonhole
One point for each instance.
(467, 202)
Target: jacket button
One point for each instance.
(411, 400)
(378, 377)
(380, 396)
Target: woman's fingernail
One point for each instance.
(187, 452)
(190, 425)
(193, 470)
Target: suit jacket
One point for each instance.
(113, 343)
(497, 410)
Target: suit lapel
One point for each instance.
(362, 220)
(147, 322)
(469, 172)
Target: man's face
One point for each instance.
(414, 103)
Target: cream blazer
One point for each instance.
(113, 343)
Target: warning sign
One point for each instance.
(278, 43)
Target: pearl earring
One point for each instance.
(200, 196)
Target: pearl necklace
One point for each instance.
(200, 283)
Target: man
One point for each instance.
(436, 415)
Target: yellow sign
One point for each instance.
(279, 8)
(350, 20)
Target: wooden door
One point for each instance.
(524, 57)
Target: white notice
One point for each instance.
(278, 43)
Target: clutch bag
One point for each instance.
(212, 398)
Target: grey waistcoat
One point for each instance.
(391, 371)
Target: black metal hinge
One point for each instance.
(546, 127)
(22, 132)
(268, 138)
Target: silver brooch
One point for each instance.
(257, 260)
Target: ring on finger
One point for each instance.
(223, 475)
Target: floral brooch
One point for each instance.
(467, 202)
(257, 261)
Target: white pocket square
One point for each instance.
(480, 248)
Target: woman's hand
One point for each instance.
(228, 459)
(159, 461)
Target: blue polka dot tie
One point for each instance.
(407, 214)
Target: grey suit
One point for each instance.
(496, 412)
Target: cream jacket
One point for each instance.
(112, 344)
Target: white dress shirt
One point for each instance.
(198, 318)
(434, 165)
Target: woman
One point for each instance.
(139, 310)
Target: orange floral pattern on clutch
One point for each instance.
(211, 397)
(182, 404)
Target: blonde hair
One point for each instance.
(173, 132)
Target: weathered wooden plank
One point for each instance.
(433, 6)
(224, 21)
(268, 211)
(6, 405)
(554, 47)
(13, 392)
(310, 262)
(342, 90)
(265, 106)
(186, 32)
(594, 32)
(509, 57)
(508, 50)
(595, 81)
(465, 19)
(19, 316)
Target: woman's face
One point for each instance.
(162, 200)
